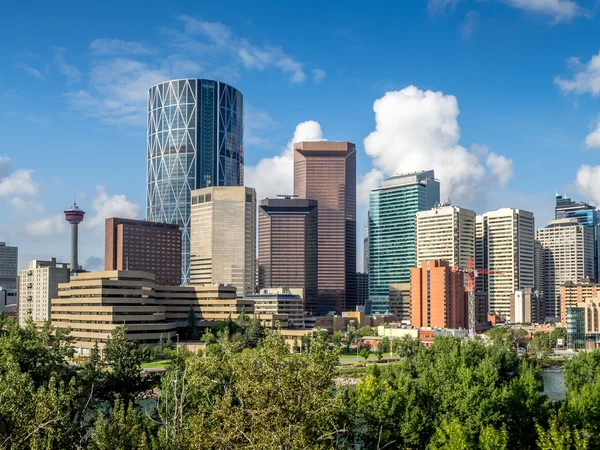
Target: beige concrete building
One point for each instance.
(223, 237)
(400, 302)
(525, 307)
(567, 255)
(571, 294)
(278, 301)
(95, 303)
(445, 232)
(38, 285)
(505, 243)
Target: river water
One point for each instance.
(554, 385)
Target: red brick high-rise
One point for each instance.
(438, 296)
(326, 172)
(144, 246)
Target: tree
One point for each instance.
(406, 346)
(384, 345)
(337, 338)
(364, 331)
(558, 333)
(540, 345)
(192, 328)
(378, 355)
(125, 380)
(365, 353)
(560, 437)
(254, 332)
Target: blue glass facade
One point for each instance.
(586, 215)
(195, 139)
(392, 211)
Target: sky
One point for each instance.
(500, 97)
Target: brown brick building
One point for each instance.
(144, 246)
(438, 296)
(573, 293)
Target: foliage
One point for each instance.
(558, 333)
(384, 345)
(365, 353)
(406, 346)
(510, 338)
(540, 345)
(192, 328)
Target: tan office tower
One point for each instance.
(287, 246)
(446, 232)
(223, 237)
(326, 172)
(567, 255)
(438, 296)
(143, 245)
(505, 243)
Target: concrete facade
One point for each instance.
(278, 301)
(526, 307)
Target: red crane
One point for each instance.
(472, 273)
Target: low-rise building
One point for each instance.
(397, 332)
(572, 293)
(277, 301)
(400, 302)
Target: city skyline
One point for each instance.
(86, 94)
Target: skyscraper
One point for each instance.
(326, 172)
(223, 237)
(392, 211)
(586, 215)
(567, 255)
(446, 232)
(195, 140)
(9, 258)
(505, 243)
(287, 246)
(438, 296)
(144, 246)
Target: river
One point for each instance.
(554, 385)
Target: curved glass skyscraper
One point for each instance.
(195, 140)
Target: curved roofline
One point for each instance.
(198, 79)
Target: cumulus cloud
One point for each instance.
(274, 176)
(366, 183)
(586, 77)
(587, 182)
(105, 206)
(24, 205)
(418, 130)
(47, 227)
(16, 183)
(559, 10)
(593, 139)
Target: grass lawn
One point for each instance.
(157, 364)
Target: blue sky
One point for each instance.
(500, 97)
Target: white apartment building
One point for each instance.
(445, 232)
(567, 255)
(281, 300)
(223, 237)
(38, 285)
(505, 241)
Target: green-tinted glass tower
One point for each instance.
(392, 210)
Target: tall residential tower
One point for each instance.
(195, 140)
(326, 172)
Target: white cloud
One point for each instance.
(418, 130)
(256, 123)
(70, 71)
(110, 206)
(251, 56)
(17, 183)
(31, 71)
(274, 176)
(118, 47)
(586, 78)
(47, 227)
(439, 6)
(366, 183)
(23, 205)
(318, 75)
(593, 139)
(469, 24)
(587, 182)
(559, 10)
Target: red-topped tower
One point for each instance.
(74, 215)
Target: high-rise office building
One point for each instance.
(195, 140)
(223, 237)
(505, 243)
(438, 296)
(144, 246)
(392, 211)
(287, 246)
(326, 172)
(567, 255)
(366, 247)
(38, 285)
(586, 215)
(446, 232)
(9, 259)
(362, 288)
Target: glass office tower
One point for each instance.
(392, 211)
(195, 140)
(586, 215)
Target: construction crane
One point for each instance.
(472, 273)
